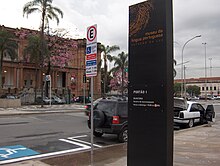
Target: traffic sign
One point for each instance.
(91, 57)
(91, 48)
(91, 51)
(92, 34)
(91, 63)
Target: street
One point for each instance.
(49, 134)
(52, 134)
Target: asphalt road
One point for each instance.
(50, 133)
(53, 134)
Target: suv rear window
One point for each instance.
(107, 107)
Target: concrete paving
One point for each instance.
(198, 146)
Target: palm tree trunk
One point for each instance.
(105, 71)
(35, 91)
(42, 51)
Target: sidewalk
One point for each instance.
(37, 109)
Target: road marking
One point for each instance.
(83, 145)
(84, 142)
(75, 143)
(80, 136)
(16, 151)
(10, 152)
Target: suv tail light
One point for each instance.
(86, 106)
(115, 120)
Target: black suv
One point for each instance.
(111, 116)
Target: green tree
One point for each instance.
(120, 64)
(177, 89)
(109, 77)
(32, 54)
(8, 46)
(193, 90)
(106, 51)
(48, 12)
(32, 50)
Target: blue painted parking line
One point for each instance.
(17, 151)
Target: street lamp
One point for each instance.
(211, 75)
(205, 73)
(210, 67)
(182, 62)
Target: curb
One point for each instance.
(192, 128)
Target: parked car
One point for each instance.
(46, 100)
(80, 99)
(110, 116)
(57, 100)
(188, 113)
(8, 96)
(88, 106)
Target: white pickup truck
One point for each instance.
(188, 113)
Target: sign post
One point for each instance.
(91, 66)
(48, 78)
(150, 114)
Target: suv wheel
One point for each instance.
(123, 135)
(98, 118)
(97, 134)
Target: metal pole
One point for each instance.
(92, 128)
(205, 74)
(184, 81)
(84, 89)
(84, 94)
(210, 67)
(50, 91)
(211, 75)
(182, 63)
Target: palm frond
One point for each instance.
(43, 6)
(57, 10)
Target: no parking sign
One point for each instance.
(91, 51)
(92, 34)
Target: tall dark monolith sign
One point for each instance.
(150, 122)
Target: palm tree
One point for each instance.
(45, 8)
(107, 56)
(47, 12)
(109, 77)
(7, 46)
(120, 64)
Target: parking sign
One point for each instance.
(91, 51)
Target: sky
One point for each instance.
(190, 18)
